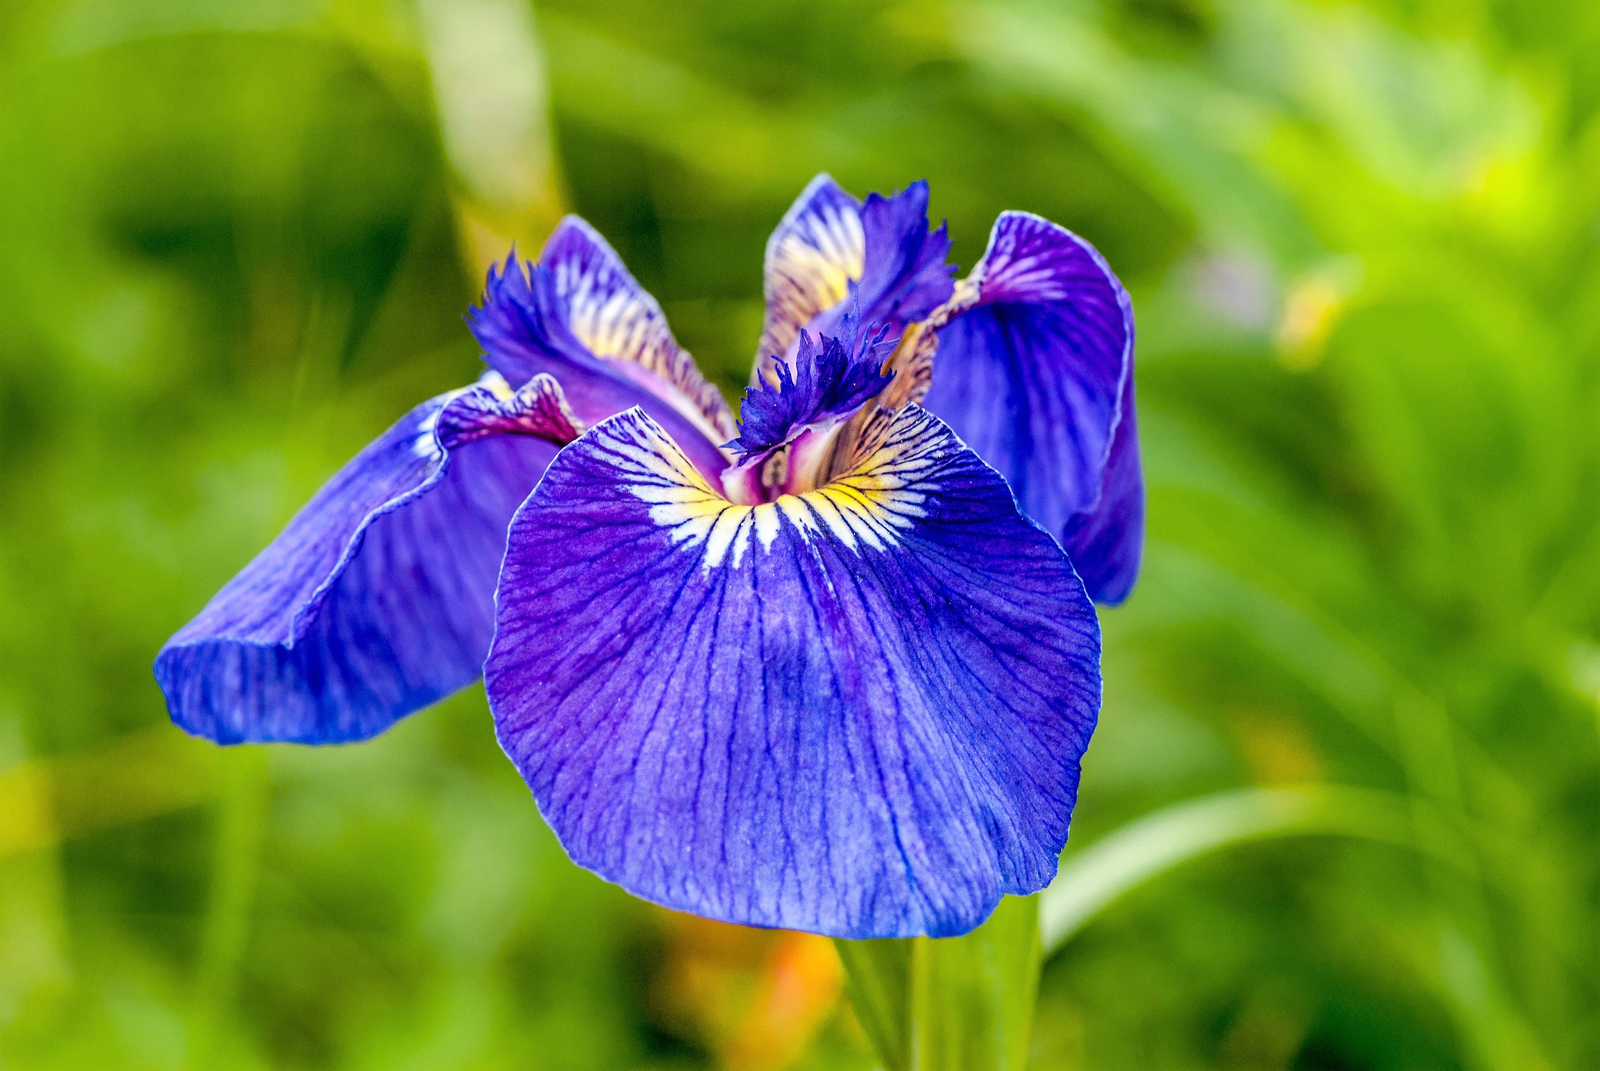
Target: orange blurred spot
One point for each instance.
(799, 987)
(754, 998)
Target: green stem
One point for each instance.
(241, 826)
(954, 1003)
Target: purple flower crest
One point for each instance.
(828, 378)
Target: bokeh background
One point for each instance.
(1343, 810)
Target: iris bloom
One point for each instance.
(831, 668)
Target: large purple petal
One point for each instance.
(827, 240)
(857, 711)
(578, 315)
(1034, 370)
(378, 597)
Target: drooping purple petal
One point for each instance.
(578, 315)
(539, 408)
(1034, 370)
(857, 711)
(827, 240)
(1107, 542)
(378, 597)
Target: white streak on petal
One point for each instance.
(767, 524)
(727, 531)
(869, 507)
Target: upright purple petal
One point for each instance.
(378, 597)
(827, 240)
(1034, 370)
(817, 250)
(578, 315)
(905, 275)
(616, 318)
(857, 711)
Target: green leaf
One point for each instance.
(953, 1003)
(1144, 849)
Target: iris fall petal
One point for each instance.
(377, 598)
(857, 711)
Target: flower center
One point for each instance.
(790, 430)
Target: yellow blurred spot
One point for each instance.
(1276, 748)
(489, 87)
(1309, 315)
(139, 776)
(27, 820)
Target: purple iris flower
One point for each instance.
(830, 668)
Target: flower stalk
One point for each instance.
(950, 1003)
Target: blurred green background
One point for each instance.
(1343, 810)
